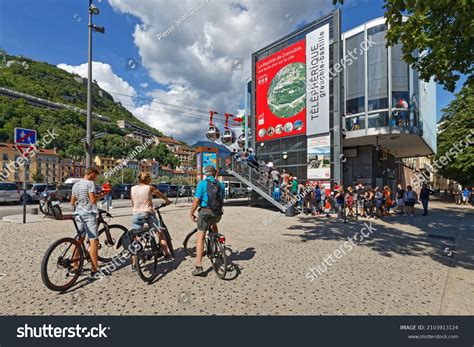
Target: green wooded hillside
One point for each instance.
(51, 83)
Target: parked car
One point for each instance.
(29, 192)
(185, 190)
(64, 191)
(173, 191)
(9, 192)
(163, 188)
(72, 180)
(122, 191)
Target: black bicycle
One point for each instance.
(63, 261)
(214, 249)
(142, 244)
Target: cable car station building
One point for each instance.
(339, 107)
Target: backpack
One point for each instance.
(317, 194)
(214, 197)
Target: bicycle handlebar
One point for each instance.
(157, 207)
(107, 214)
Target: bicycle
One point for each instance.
(214, 249)
(66, 248)
(142, 244)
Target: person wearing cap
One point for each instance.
(206, 218)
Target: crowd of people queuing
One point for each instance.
(360, 200)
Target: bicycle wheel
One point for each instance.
(218, 258)
(147, 260)
(57, 266)
(108, 239)
(189, 244)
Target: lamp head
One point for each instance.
(93, 9)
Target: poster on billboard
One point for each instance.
(281, 93)
(319, 157)
(209, 158)
(317, 79)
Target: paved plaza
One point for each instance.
(407, 266)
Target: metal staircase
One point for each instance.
(257, 180)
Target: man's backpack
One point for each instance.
(317, 194)
(214, 197)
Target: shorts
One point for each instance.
(409, 203)
(139, 220)
(400, 202)
(206, 218)
(465, 198)
(87, 224)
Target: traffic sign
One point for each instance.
(25, 150)
(25, 136)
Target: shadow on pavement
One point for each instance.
(446, 235)
(164, 268)
(234, 269)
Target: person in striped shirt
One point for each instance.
(84, 199)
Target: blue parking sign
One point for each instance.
(25, 136)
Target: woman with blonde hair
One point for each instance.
(143, 212)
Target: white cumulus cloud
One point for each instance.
(201, 51)
(106, 79)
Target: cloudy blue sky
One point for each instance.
(167, 76)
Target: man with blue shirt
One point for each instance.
(208, 202)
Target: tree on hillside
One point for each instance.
(128, 177)
(37, 177)
(161, 154)
(437, 38)
(456, 124)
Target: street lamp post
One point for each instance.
(92, 11)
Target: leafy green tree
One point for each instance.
(37, 177)
(457, 123)
(437, 37)
(129, 176)
(182, 180)
(161, 179)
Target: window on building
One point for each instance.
(400, 84)
(355, 75)
(5, 156)
(377, 69)
(415, 98)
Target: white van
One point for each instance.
(234, 189)
(72, 180)
(9, 192)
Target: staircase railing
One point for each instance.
(254, 176)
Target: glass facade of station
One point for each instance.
(381, 90)
(378, 92)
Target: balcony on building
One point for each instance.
(386, 104)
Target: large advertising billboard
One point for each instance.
(292, 89)
(281, 93)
